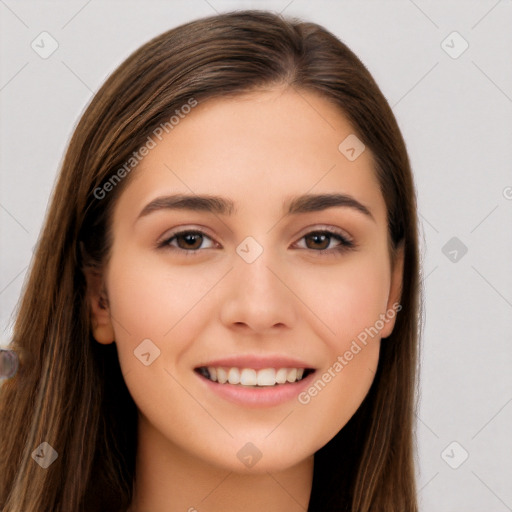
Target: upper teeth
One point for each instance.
(251, 377)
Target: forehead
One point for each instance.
(258, 147)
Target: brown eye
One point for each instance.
(189, 240)
(318, 241)
(322, 242)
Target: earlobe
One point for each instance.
(99, 311)
(395, 291)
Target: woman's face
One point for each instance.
(251, 274)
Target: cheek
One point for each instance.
(348, 299)
(152, 300)
(350, 306)
(346, 303)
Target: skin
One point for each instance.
(258, 150)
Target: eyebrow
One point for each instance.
(219, 205)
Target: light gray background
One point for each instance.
(456, 117)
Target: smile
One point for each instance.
(250, 377)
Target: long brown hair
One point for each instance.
(69, 390)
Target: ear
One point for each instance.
(99, 311)
(395, 291)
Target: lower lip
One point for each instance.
(265, 396)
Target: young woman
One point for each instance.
(222, 311)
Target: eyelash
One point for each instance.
(344, 246)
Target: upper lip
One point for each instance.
(257, 362)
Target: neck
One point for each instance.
(170, 479)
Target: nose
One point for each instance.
(258, 297)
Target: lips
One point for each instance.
(278, 380)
